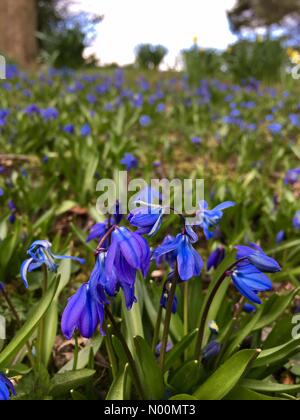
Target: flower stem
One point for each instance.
(103, 239)
(130, 359)
(76, 353)
(167, 322)
(186, 312)
(40, 335)
(157, 329)
(110, 352)
(186, 308)
(209, 300)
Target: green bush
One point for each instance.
(262, 59)
(150, 56)
(200, 64)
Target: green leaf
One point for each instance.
(50, 322)
(19, 369)
(150, 372)
(178, 350)
(88, 181)
(65, 207)
(83, 356)
(29, 327)
(183, 397)
(8, 246)
(286, 245)
(133, 321)
(187, 377)
(242, 334)
(274, 307)
(226, 376)
(277, 354)
(118, 388)
(63, 383)
(273, 387)
(240, 393)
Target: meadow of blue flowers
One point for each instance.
(143, 305)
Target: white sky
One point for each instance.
(173, 23)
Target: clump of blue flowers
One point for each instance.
(120, 254)
(6, 388)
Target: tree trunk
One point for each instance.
(18, 23)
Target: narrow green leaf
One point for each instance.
(242, 334)
(240, 393)
(65, 207)
(183, 397)
(226, 376)
(277, 354)
(63, 383)
(187, 377)
(150, 372)
(273, 387)
(118, 387)
(274, 307)
(28, 328)
(50, 321)
(178, 350)
(83, 356)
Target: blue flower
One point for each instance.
(98, 231)
(215, 258)
(211, 218)
(249, 308)
(295, 120)
(112, 283)
(296, 220)
(32, 109)
(91, 98)
(147, 218)
(258, 258)
(249, 281)
(196, 140)
(11, 205)
(40, 253)
(280, 237)
(145, 120)
(275, 128)
(170, 257)
(6, 388)
(211, 350)
(85, 310)
(128, 253)
(49, 114)
(159, 346)
(292, 176)
(129, 161)
(189, 262)
(161, 107)
(164, 302)
(69, 129)
(165, 294)
(86, 130)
